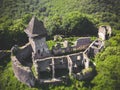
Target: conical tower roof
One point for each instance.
(35, 28)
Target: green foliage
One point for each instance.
(20, 24)
(50, 43)
(53, 25)
(108, 77)
(73, 23)
(10, 38)
(107, 65)
(68, 17)
(115, 40)
(84, 71)
(76, 23)
(13, 34)
(107, 10)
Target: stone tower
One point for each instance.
(37, 38)
(104, 32)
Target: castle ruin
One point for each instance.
(50, 66)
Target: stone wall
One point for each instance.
(82, 41)
(80, 44)
(95, 47)
(78, 60)
(19, 57)
(23, 73)
(49, 66)
(104, 32)
(24, 52)
(39, 47)
(86, 75)
(60, 62)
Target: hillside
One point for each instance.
(106, 10)
(16, 8)
(70, 18)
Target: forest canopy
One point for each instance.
(68, 17)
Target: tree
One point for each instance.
(107, 65)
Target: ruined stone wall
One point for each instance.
(60, 62)
(95, 47)
(40, 47)
(24, 52)
(82, 41)
(73, 63)
(69, 49)
(77, 58)
(79, 44)
(22, 73)
(104, 32)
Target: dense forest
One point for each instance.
(68, 18)
(59, 17)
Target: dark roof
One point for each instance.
(35, 28)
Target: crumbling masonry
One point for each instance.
(34, 62)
